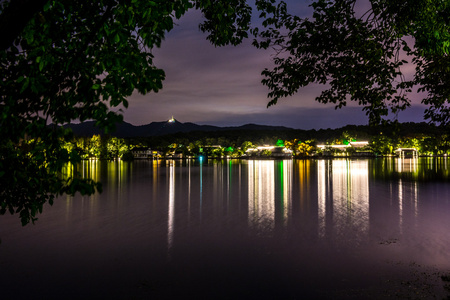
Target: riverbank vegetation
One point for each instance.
(427, 139)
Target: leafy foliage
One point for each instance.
(80, 60)
(361, 57)
(218, 17)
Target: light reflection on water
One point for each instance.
(171, 217)
(189, 215)
(261, 194)
(346, 184)
(343, 198)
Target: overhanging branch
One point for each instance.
(14, 19)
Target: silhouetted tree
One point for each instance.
(68, 60)
(361, 55)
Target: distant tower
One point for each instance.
(172, 120)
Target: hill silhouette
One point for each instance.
(127, 130)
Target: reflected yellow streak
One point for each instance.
(304, 182)
(261, 195)
(91, 169)
(321, 201)
(349, 183)
(287, 189)
(407, 165)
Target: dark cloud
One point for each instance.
(222, 86)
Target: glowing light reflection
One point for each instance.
(349, 186)
(261, 194)
(287, 189)
(321, 196)
(409, 165)
(400, 204)
(171, 214)
(415, 198)
(201, 188)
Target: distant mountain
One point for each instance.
(127, 130)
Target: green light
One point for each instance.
(280, 143)
(281, 174)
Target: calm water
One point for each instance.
(239, 229)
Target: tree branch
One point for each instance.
(14, 19)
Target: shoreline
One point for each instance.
(284, 158)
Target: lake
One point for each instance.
(233, 229)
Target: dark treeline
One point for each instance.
(383, 139)
(270, 137)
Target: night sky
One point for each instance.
(222, 86)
